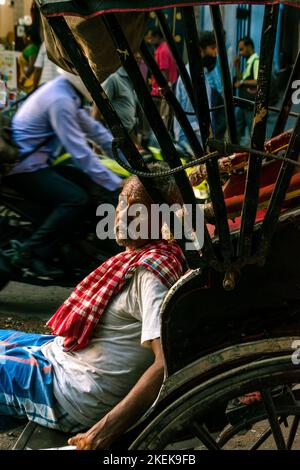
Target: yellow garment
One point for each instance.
(28, 84)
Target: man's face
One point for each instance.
(245, 51)
(152, 39)
(209, 51)
(132, 211)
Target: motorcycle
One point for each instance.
(77, 257)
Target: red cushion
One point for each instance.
(234, 204)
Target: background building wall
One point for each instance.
(6, 20)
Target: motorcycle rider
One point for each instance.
(53, 115)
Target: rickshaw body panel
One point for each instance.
(199, 316)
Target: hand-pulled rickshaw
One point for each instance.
(229, 325)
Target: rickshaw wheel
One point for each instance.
(271, 422)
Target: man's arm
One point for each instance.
(250, 82)
(66, 122)
(129, 410)
(96, 132)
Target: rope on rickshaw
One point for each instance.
(225, 147)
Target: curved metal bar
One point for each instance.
(268, 39)
(203, 116)
(225, 72)
(287, 99)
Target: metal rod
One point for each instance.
(279, 193)
(287, 99)
(177, 57)
(172, 100)
(203, 116)
(170, 154)
(226, 148)
(249, 209)
(225, 72)
(261, 439)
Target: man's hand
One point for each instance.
(95, 438)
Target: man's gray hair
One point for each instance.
(167, 185)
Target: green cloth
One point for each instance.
(252, 61)
(31, 49)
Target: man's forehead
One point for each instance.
(133, 191)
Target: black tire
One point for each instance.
(189, 414)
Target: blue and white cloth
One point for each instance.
(26, 382)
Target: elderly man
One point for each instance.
(105, 366)
(54, 116)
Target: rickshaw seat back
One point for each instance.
(104, 60)
(200, 317)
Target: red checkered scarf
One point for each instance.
(79, 314)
